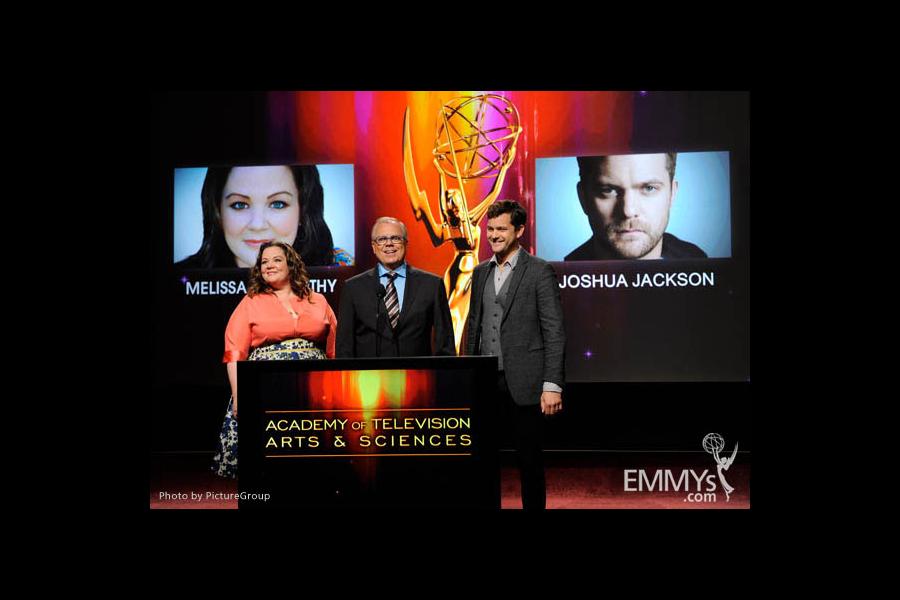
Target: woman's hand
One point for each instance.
(234, 407)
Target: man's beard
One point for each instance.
(646, 241)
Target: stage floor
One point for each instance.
(575, 480)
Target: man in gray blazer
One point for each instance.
(515, 314)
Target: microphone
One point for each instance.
(381, 293)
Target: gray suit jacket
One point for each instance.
(531, 331)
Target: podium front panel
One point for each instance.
(367, 433)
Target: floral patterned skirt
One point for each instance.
(225, 462)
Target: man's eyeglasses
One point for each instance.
(394, 239)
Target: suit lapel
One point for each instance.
(478, 292)
(409, 292)
(516, 278)
(473, 321)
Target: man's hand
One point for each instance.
(551, 403)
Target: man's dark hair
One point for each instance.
(589, 165)
(517, 214)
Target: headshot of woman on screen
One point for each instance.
(245, 207)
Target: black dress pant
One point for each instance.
(524, 428)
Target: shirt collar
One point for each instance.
(512, 259)
(400, 271)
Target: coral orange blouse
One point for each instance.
(262, 320)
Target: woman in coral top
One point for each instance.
(280, 318)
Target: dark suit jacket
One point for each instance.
(672, 247)
(424, 310)
(532, 338)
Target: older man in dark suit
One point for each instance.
(393, 309)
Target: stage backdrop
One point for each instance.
(436, 159)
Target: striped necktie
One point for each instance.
(391, 301)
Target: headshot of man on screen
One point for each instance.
(627, 199)
(245, 207)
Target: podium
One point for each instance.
(369, 433)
